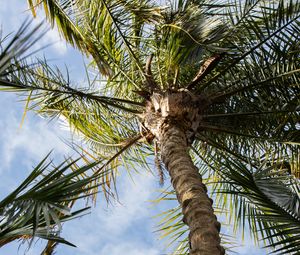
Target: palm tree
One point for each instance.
(185, 79)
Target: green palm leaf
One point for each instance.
(265, 196)
(43, 201)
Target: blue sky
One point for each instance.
(126, 226)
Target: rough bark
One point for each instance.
(191, 192)
(173, 118)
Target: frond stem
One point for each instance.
(124, 38)
(245, 114)
(127, 146)
(236, 61)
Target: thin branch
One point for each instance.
(127, 44)
(73, 92)
(231, 131)
(237, 60)
(148, 65)
(127, 146)
(148, 74)
(221, 96)
(205, 69)
(220, 147)
(234, 114)
(50, 247)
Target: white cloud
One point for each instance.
(123, 228)
(133, 204)
(33, 141)
(58, 45)
(10, 17)
(128, 248)
(52, 38)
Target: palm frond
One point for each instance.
(49, 87)
(43, 201)
(62, 13)
(112, 32)
(254, 90)
(262, 25)
(187, 35)
(12, 47)
(85, 110)
(266, 196)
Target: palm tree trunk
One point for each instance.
(191, 192)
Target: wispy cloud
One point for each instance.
(11, 20)
(33, 145)
(52, 38)
(33, 141)
(133, 204)
(128, 248)
(125, 227)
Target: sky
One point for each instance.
(127, 225)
